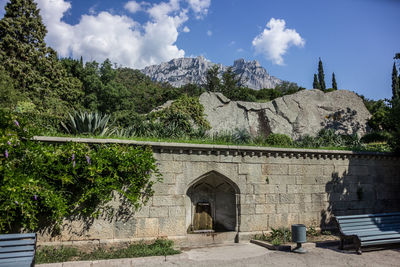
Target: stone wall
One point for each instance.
(273, 187)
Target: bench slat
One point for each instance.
(17, 236)
(379, 237)
(365, 232)
(17, 254)
(370, 220)
(19, 263)
(17, 243)
(368, 215)
(19, 248)
(376, 233)
(380, 242)
(367, 226)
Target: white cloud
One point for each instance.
(132, 6)
(274, 41)
(117, 37)
(200, 7)
(209, 33)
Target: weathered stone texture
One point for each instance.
(271, 191)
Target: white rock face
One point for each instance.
(182, 71)
(303, 113)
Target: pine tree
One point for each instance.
(334, 84)
(395, 83)
(316, 82)
(321, 75)
(34, 67)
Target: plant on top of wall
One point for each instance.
(41, 184)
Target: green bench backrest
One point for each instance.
(17, 249)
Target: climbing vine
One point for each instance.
(43, 183)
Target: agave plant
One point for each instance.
(84, 122)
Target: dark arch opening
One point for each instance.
(214, 203)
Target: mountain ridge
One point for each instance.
(181, 71)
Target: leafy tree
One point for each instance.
(316, 84)
(213, 82)
(34, 67)
(334, 84)
(321, 75)
(395, 83)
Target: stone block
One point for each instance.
(302, 198)
(255, 222)
(319, 197)
(158, 212)
(328, 170)
(269, 169)
(176, 211)
(171, 167)
(172, 226)
(265, 208)
(269, 189)
(142, 212)
(314, 170)
(124, 229)
(293, 189)
(281, 179)
(286, 198)
(230, 158)
(296, 170)
(147, 227)
(168, 178)
(247, 209)
(174, 200)
(164, 189)
(271, 198)
(282, 208)
(260, 198)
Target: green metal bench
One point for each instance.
(17, 250)
(369, 229)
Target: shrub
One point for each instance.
(279, 140)
(241, 136)
(376, 136)
(43, 183)
(84, 122)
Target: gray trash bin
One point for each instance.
(299, 236)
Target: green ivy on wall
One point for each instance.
(43, 183)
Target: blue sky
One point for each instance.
(356, 39)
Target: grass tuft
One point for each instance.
(160, 247)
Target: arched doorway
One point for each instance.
(214, 204)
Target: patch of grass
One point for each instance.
(160, 247)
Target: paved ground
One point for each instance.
(246, 254)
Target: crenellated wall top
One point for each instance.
(233, 150)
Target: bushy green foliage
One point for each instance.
(33, 67)
(42, 183)
(279, 140)
(377, 136)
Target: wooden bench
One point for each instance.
(17, 250)
(369, 229)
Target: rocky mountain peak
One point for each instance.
(181, 71)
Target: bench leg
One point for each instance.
(357, 244)
(341, 246)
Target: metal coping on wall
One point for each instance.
(228, 150)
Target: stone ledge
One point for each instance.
(209, 149)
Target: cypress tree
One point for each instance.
(334, 84)
(34, 68)
(316, 82)
(395, 83)
(321, 75)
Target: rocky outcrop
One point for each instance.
(303, 113)
(182, 71)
